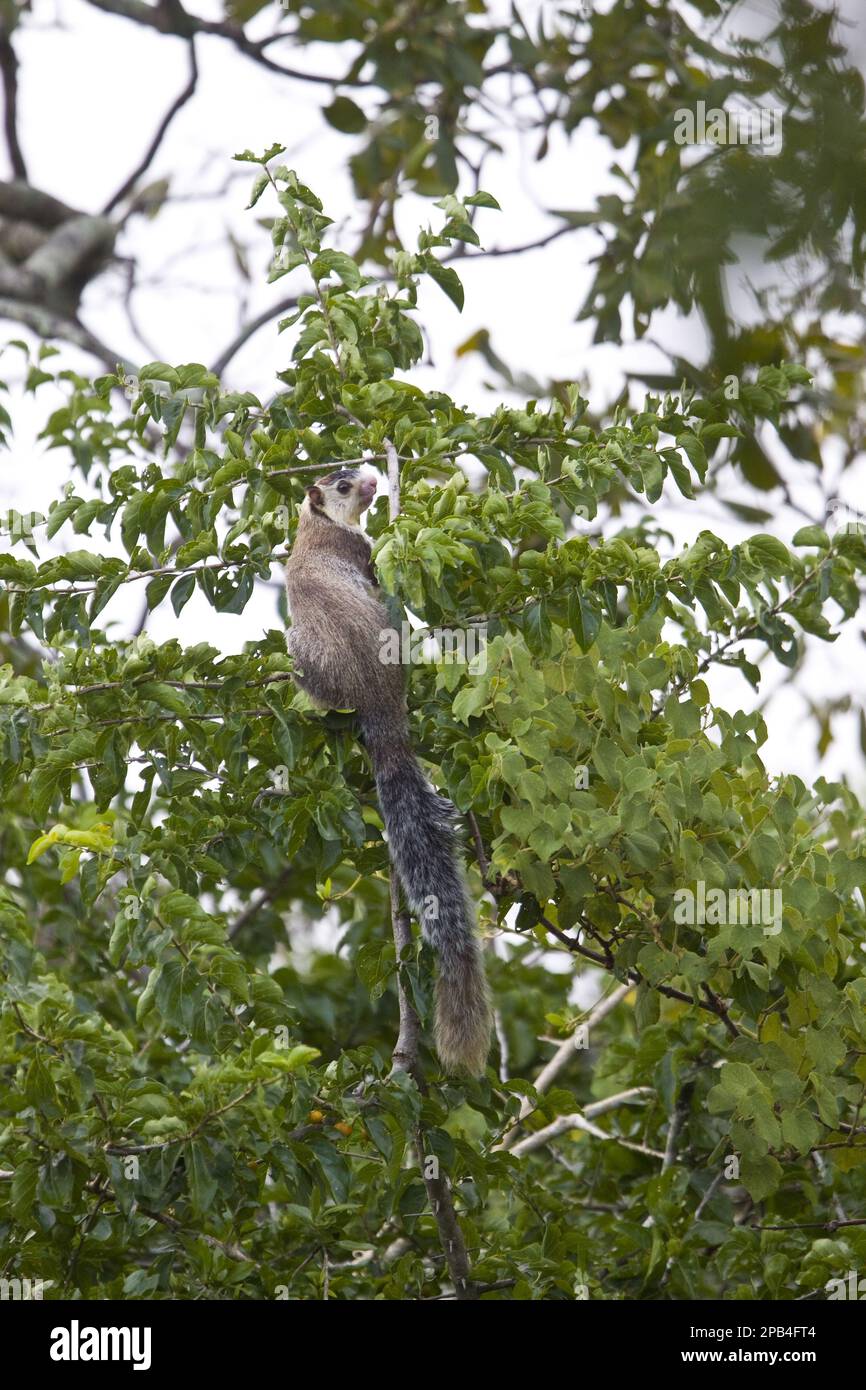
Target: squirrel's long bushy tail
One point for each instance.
(420, 826)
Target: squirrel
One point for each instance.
(338, 626)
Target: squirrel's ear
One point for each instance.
(316, 496)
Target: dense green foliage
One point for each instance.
(766, 246)
(195, 1101)
(434, 87)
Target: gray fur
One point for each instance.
(337, 626)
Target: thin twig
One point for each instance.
(180, 100)
(708, 1195)
(563, 1123)
(256, 904)
(244, 334)
(230, 1248)
(813, 1225)
(564, 1053)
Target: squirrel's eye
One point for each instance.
(343, 487)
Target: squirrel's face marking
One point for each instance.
(342, 495)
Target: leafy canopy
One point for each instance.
(196, 1100)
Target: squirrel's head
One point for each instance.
(342, 495)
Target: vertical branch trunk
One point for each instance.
(393, 480)
(405, 1054)
(405, 1058)
(450, 1235)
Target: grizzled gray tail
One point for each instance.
(421, 840)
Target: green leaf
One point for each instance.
(203, 1185)
(337, 263)
(24, 1184)
(181, 592)
(447, 279)
(761, 1175)
(584, 618)
(812, 535)
(482, 200)
(345, 115)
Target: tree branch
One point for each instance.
(46, 324)
(58, 259)
(563, 1054)
(713, 1004)
(813, 1225)
(234, 1252)
(463, 252)
(9, 69)
(405, 1054)
(27, 204)
(127, 186)
(450, 1234)
(393, 480)
(256, 904)
(170, 17)
(563, 1123)
(282, 307)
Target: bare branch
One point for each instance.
(676, 1124)
(249, 329)
(708, 1195)
(20, 200)
(502, 1043)
(170, 17)
(9, 69)
(563, 1123)
(477, 253)
(566, 1049)
(564, 1054)
(183, 97)
(601, 1107)
(393, 480)
(46, 324)
(480, 851)
(450, 1234)
(255, 905)
(813, 1225)
(78, 240)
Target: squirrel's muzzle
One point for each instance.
(367, 490)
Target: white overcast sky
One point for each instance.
(93, 88)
